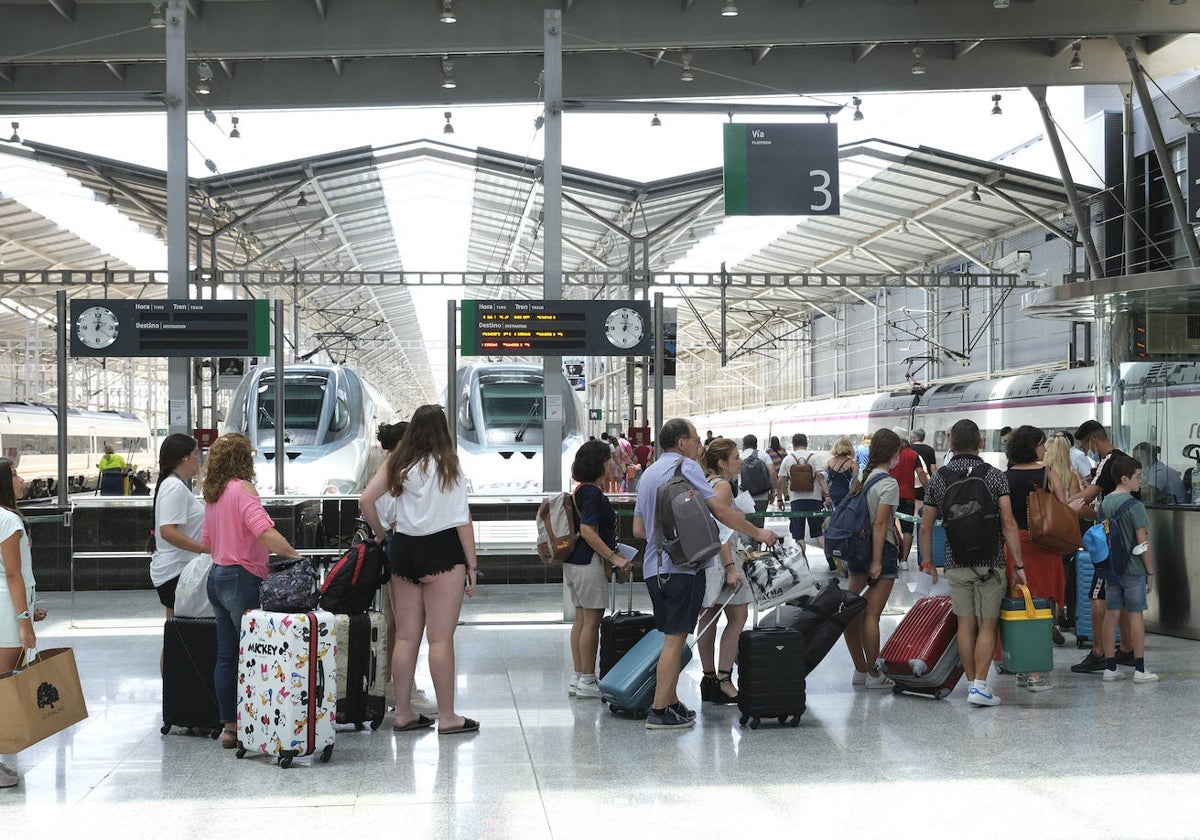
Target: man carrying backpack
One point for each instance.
(758, 478)
(677, 594)
(802, 479)
(972, 497)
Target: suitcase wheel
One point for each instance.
(754, 722)
(612, 707)
(215, 733)
(742, 720)
(795, 721)
(165, 728)
(326, 754)
(375, 723)
(359, 727)
(783, 719)
(285, 761)
(1082, 642)
(897, 689)
(942, 694)
(241, 752)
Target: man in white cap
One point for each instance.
(907, 469)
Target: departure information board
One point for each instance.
(555, 327)
(127, 328)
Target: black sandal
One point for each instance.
(719, 695)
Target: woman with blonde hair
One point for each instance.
(721, 460)
(241, 536)
(432, 560)
(1057, 459)
(840, 470)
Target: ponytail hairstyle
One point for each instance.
(718, 450)
(171, 452)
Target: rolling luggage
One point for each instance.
(921, 656)
(287, 684)
(620, 631)
(771, 669)
(360, 682)
(1085, 570)
(189, 656)
(820, 619)
(629, 685)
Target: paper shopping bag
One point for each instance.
(39, 700)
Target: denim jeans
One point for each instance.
(232, 590)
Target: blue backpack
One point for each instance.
(1105, 542)
(849, 532)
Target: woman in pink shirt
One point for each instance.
(242, 536)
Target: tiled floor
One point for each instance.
(1083, 760)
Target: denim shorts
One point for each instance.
(1126, 593)
(891, 569)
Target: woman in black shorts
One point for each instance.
(432, 553)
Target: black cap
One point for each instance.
(1087, 429)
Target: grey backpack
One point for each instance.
(685, 528)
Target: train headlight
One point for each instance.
(339, 487)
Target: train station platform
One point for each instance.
(1084, 760)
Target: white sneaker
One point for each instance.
(982, 697)
(903, 564)
(421, 704)
(1144, 677)
(587, 688)
(882, 681)
(1114, 675)
(8, 776)
(859, 678)
(573, 685)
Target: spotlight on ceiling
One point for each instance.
(447, 128)
(448, 15)
(975, 194)
(918, 68)
(111, 200)
(729, 10)
(996, 112)
(1000, 4)
(1076, 58)
(234, 133)
(204, 76)
(858, 115)
(302, 201)
(448, 74)
(656, 122)
(157, 20)
(686, 74)
(16, 138)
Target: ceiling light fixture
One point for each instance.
(447, 128)
(1000, 4)
(996, 112)
(1076, 58)
(234, 133)
(975, 194)
(112, 197)
(729, 10)
(858, 115)
(656, 122)
(686, 74)
(322, 235)
(918, 68)
(210, 166)
(448, 15)
(157, 20)
(204, 75)
(302, 201)
(448, 74)
(16, 138)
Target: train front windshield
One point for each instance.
(306, 403)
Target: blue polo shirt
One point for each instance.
(654, 477)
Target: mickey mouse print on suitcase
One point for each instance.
(287, 684)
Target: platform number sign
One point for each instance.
(781, 170)
(1193, 177)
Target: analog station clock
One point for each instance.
(97, 327)
(624, 328)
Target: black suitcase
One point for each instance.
(820, 619)
(189, 657)
(620, 631)
(361, 646)
(771, 662)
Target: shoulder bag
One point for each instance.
(1052, 524)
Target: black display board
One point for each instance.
(177, 328)
(555, 327)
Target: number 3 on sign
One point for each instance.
(822, 187)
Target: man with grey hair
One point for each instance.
(676, 594)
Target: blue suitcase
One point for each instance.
(1085, 570)
(629, 686)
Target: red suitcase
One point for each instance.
(921, 656)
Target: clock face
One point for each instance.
(624, 328)
(97, 327)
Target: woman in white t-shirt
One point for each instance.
(432, 560)
(178, 517)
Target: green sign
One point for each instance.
(781, 170)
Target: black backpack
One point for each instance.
(351, 584)
(838, 482)
(756, 478)
(970, 516)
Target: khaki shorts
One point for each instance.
(587, 584)
(977, 591)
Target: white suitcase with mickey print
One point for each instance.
(287, 684)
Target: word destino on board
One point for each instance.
(178, 328)
(555, 327)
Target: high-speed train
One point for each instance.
(500, 426)
(330, 418)
(1052, 401)
(29, 435)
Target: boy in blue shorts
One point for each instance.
(1128, 591)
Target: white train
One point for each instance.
(1054, 401)
(500, 427)
(29, 435)
(330, 418)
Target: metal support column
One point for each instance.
(179, 416)
(60, 304)
(1128, 231)
(552, 429)
(1083, 218)
(280, 419)
(1170, 177)
(659, 419)
(451, 369)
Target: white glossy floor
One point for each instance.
(1083, 760)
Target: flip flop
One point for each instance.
(468, 725)
(421, 722)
